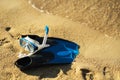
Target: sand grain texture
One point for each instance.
(94, 25)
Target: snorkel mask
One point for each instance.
(29, 44)
(32, 45)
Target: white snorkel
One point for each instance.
(40, 46)
(45, 37)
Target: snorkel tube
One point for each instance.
(45, 36)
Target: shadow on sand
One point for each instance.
(47, 71)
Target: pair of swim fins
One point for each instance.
(59, 52)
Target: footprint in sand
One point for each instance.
(107, 74)
(8, 29)
(3, 41)
(15, 36)
(104, 71)
(87, 74)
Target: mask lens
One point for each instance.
(23, 42)
(30, 47)
(27, 45)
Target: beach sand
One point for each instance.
(94, 25)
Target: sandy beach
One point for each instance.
(93, 24)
